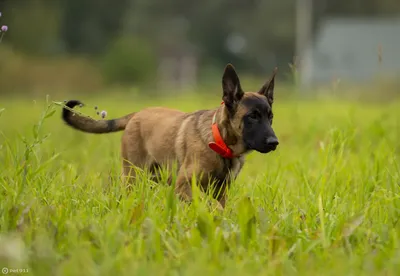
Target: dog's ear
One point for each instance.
(268, 88)
(232, 91)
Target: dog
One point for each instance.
(207, 144)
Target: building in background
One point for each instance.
(353, 50)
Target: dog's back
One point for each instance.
(150, 135)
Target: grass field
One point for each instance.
(327, 202)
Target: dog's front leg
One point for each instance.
(220, 194)
(183, 187)
(184, 190)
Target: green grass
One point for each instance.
(327, 202)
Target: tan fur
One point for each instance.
(160, 136)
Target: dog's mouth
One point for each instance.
(265, 149)
(268, 149)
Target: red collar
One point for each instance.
(219, 145)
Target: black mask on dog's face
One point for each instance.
(257, 125)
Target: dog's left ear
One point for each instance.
(232, 91)
(268, 88)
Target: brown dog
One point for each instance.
(207, 144)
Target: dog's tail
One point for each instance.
(90, 125)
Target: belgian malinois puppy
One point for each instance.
(208, 144)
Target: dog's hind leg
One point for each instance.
(128, 174)
(133, 155)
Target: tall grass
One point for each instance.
(327, 202)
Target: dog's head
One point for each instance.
(250, 113)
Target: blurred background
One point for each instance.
(89, 46)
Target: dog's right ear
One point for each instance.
(232, 91)
(268, 88)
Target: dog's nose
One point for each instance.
(272, 142)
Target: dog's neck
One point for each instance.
(228, 134)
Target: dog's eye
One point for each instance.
(254, 116)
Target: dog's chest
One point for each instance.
(231, 169)
(236, 167)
